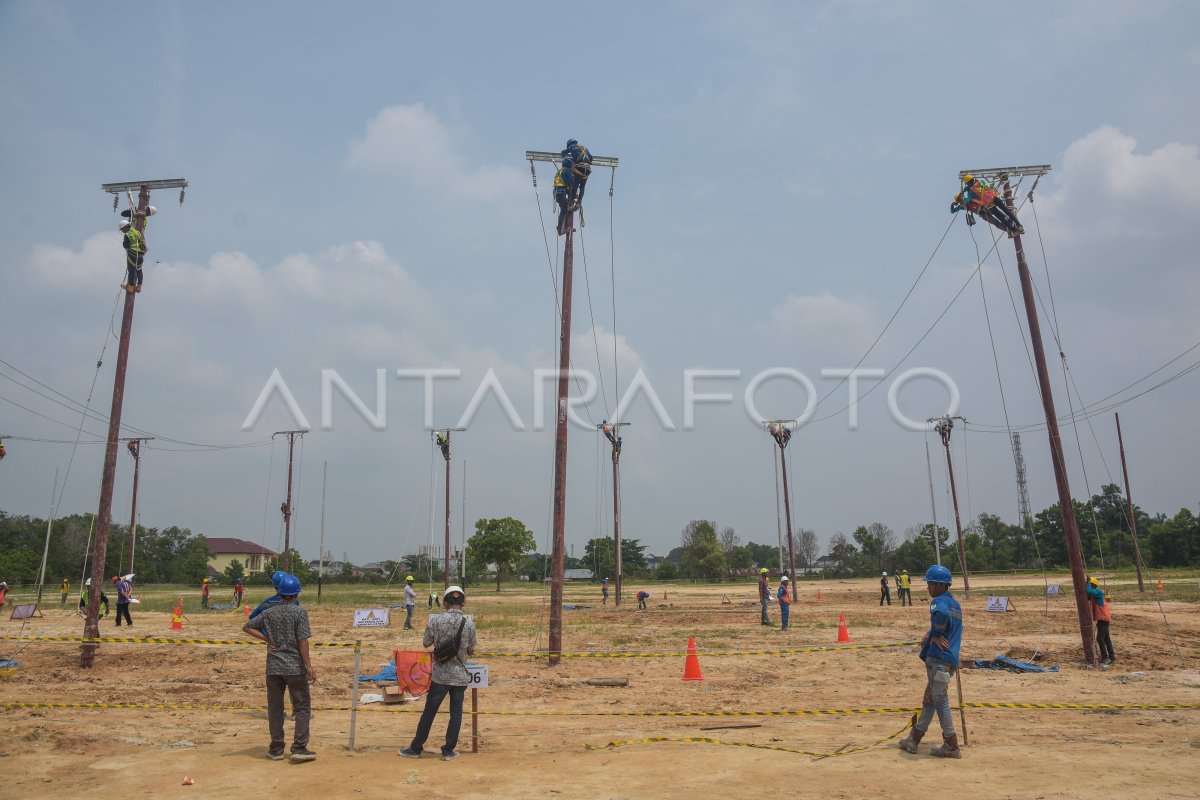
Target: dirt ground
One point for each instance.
(538, 750)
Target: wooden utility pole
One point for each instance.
(286, 507)
(943, 425)
(135, 449)
(783, 434)
(1137, 550)
(612, 430)
(441, 438)
(1066, 504)
(91, 625)
(558, 547)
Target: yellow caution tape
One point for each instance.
(812, 712)
(122, 640)
(706, 740)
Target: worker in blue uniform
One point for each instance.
(581, 169)
(940, 652)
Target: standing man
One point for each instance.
(204, 594)
(905, 590)
(885, 593)
(135, 253)
(451, 635)
(764, 594)
(939, 651)
(785, 603)
(1102, 614)
(239, 590)
(604, 592)
(124, 594)
(284, 627)
(410, 602)
(65, 589)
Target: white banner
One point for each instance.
(370, 617)
(479, 676)
(997, 604)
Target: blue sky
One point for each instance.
(359, 200)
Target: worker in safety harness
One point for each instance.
(905, 590)
(978, 197)
(135, 253)
(581, 169)
(564, 181)
(1102, 614)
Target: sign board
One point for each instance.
(997, 605)
(479, 675)
(1052, 590)
(370, 617)
(25, 611)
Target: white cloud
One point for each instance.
(101, 259)
(825, 317)
(411, 142)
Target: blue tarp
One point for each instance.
(6, 663)
(387, 672)
(1012, 665)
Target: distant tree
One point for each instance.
(666, 571)
(234, 572)
(807, 548)
(502, 542)
(876, 542)
(599, 554)
(764, 555)
(703, 554)
(738, 558)
(844, 556)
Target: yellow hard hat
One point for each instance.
(904, 571)
(968, 178)
(1093, 582)
(763, 571)
(408, 578)
(206, 580)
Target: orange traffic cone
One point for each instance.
(691, 667)
(819, 597)
(177, 618)
(1159, 587)
(843, 631)
(247, 609)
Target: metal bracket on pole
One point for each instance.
(127, 186)
(556, 158)
(1037, 170)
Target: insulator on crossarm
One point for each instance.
(181, 193)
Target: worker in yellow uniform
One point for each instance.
(65, 589)
(905, 590)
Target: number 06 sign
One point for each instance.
(479, 676)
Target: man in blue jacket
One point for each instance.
(274, 599)
(581, 169)
(939, 651)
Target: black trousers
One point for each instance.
(1105, 641)
(884, 594)
(123, 611)
(433, 701)
(133, 266)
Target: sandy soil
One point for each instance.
(65, 753)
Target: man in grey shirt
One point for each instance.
(449, 677)
(284, 627)
(410, 602)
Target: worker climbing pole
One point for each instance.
(978, 197)
(781, 432)
(1065, 502)
(136, 221)
(566, 230)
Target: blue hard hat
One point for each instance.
(571, 142)
(289, 585)
(277, 577)
(938, 574)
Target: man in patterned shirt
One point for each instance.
(449, 677)
(284, 627)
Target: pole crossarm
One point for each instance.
(129, 186)
(1037, 170)
(555, 158)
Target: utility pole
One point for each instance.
(91, 625)
(462, 559)
(943, 425)
(558, 548)
(937, 539)
(783, 434)
(285, 508)
(1066, 506)
(612, 430)
(321, 547)
(135, 449)
(1137, 551)
(441, 438)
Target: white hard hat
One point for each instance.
(88, 582)
(123, 224)
(885, 574)
(151, 211)
(784, 578)
(452, 589)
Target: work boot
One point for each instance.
(128, 287)
(909, 743)
(948, 748)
